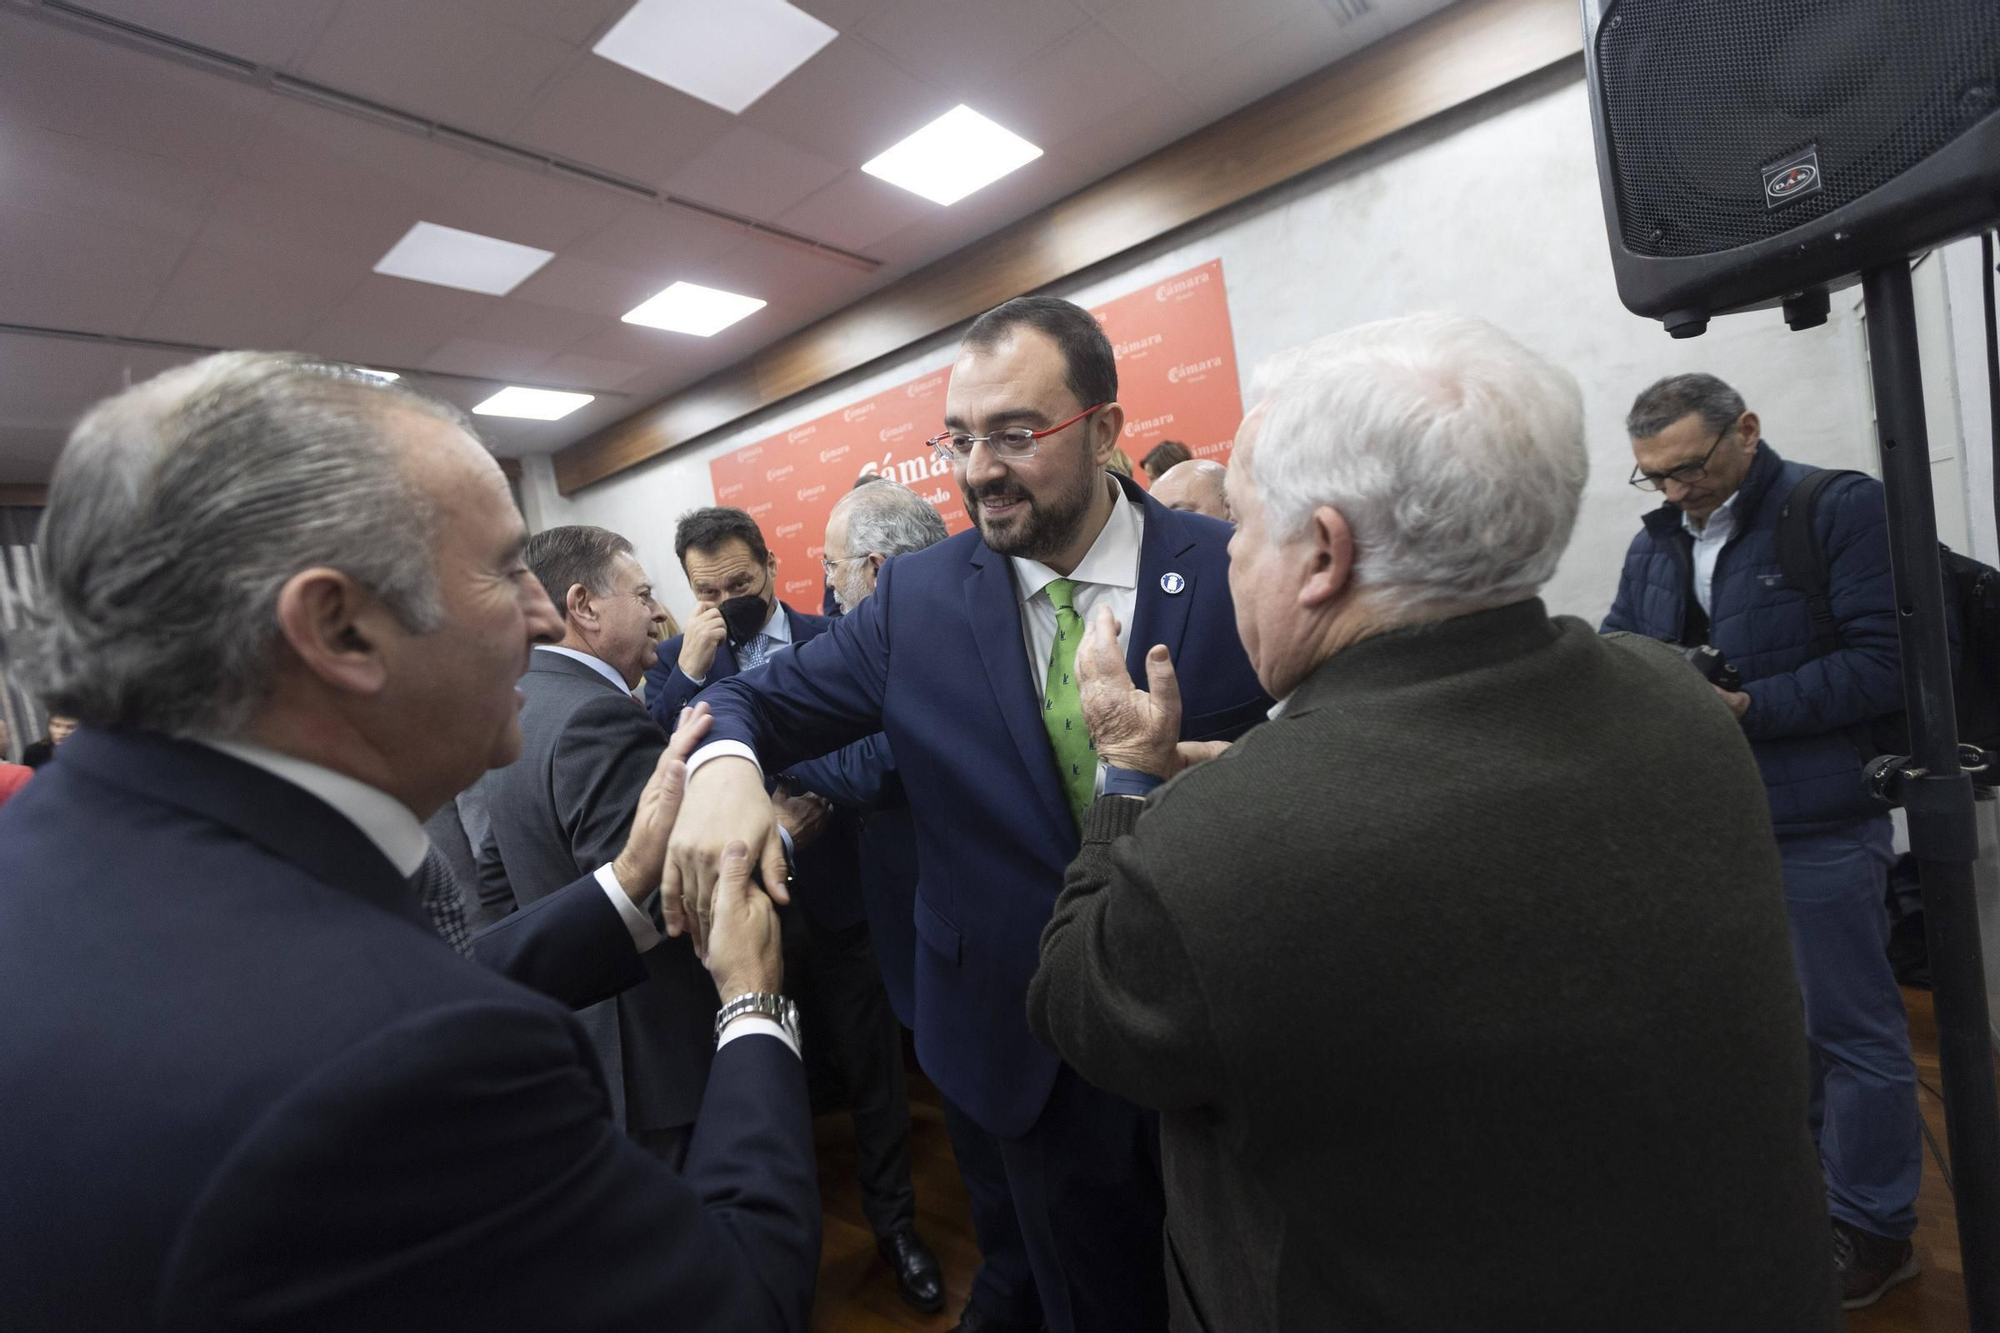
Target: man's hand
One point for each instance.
(803, 816)
(744, 952)
(639, 865)
(725, 803)
(1133, 728)
(703, 635)
(1739, 702)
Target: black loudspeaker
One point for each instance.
(1758, 152)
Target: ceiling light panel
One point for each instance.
(463, 259)
(532, 404)
(688, 307)
(952, 156)
(728, 53)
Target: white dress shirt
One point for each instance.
(1709, 539)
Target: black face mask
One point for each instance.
(745, 617)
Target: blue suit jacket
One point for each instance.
(829, 868)
(246, 1085)
(935, 660)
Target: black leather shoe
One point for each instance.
(918, 1280)
(972, 1321)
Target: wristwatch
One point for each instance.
(774, 1007)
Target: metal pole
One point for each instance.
(1936, 792)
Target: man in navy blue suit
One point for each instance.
(247, 1083)
(740, 626)
(962, 658)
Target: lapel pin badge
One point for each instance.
(1171, 584)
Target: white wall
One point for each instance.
(1493, 211)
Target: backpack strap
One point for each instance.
(1801, 557)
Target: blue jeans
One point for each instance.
(1864, 1083)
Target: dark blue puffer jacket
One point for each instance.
(1802, 706)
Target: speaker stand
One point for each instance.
(1936, 792)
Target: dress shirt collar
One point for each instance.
(1112, 560)
(597, 664)
(386, 821)
(778, 628)
(1718, 523)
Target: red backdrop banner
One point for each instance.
(1176, 379)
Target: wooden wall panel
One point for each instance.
(1459, 54)
(29, 497)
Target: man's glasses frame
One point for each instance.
(1687, 474)
(1012, 443)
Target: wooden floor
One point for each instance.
(857, 1294)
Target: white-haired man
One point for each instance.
(1451, 1022)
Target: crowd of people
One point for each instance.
(1303, 928)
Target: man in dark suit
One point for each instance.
(1475, 955)
(740, 626)
(288, 605)
(587, 750)
(962, 659)
(864, 531)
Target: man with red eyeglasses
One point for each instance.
(964, 659)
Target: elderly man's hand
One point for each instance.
(725, 803)
(1133, 728)
(639, 866)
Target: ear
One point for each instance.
(578, 606)
(1106, 425)
(1327, 552)
(1749, 430)
(875, 563)
(336, 628)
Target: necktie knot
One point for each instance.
(1062, 594)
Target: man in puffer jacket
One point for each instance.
(1704, 570)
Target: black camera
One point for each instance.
(1714, 667)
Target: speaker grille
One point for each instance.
(1699, 96)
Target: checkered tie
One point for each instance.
(1062, 705)
(436, 889)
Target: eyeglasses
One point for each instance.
(1687, 474)
(1013, 443)
(828, 566)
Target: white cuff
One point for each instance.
(750, 1026)
(644, 934)
(719, 749)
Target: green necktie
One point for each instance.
(1062, 705)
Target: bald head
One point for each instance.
(1196, 486)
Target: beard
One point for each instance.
(1039, 528)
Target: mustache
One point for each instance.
(982, 494)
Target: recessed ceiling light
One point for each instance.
(952, 156)
(728, 53)
(464, 259)
(688, 307)
(533, 404)
(386, 376)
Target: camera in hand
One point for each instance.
(1714, 667)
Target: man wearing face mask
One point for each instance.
(738, 627)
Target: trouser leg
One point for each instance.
(1086, 1186)
(1865, 1078)
(867, 1048)
(1004, 1287)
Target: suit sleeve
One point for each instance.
(1116, 994)
(861, 775)
(824, 694)
(570, 945)
(1862, 679)
(461, 1170)
(604, 759)
(496, 895)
